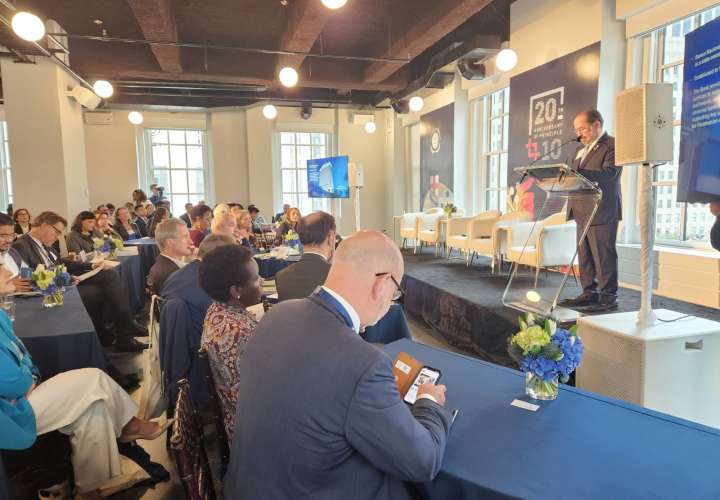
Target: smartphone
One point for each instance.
(425, 376)
(25, 273)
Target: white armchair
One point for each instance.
(500, 233)
(457, 236)
(480, 234)
(429, 228)
(409, 227)
(550, 242)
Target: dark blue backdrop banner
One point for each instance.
(699, 168)
(436, 157)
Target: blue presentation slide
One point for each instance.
(328, 177)
(699, 165)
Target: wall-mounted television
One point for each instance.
(328, 177)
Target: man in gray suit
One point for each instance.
(597, 254)
(319, 415)
(317, 235)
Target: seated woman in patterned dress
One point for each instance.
(229, 275)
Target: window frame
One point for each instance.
(146, 164)
(6, 190)
(486, 152)
(324, 204)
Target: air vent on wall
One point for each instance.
(98, 117)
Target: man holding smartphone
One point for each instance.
(318, 407)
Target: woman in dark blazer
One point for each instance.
(22, 221)
(80, 238)
(124, 226)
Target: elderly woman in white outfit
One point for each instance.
(85, 404)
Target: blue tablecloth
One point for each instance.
(580, 446)
(61, 338)
(148, 251)
(393, 326)
(268, 268)
(133, 276)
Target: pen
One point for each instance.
(454, 416)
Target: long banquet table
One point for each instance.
(581, 445)
(133, 275)
(61, 338)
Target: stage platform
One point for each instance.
(464, 305)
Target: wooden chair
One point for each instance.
(186, 443)
(217, 411)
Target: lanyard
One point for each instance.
(332, 302)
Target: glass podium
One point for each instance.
(548, 240)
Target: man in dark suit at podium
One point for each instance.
(597, 255)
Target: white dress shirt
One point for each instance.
(9, 263)
(583, 152)
(43, 251)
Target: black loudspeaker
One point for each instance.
(306, 111)
(472, 68)
(401, 107)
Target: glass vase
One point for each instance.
(538, 388)
(56, 299)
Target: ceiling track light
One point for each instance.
(103, 88)
(135, 117)
(506, 59)
(416, 104)
(270, 112)
(28, 26)
(288, 76)
(370, 127)
(334, 4)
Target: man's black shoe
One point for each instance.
(604, 303)
(582, 300)
(128, 344)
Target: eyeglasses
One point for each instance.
(582, 129)
(399, 292)
(58, 231)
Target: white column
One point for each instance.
(46, 138)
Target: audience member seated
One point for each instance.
(141, 220)
(85, 404)
(229, 275)
(220, 209)
(182, 313)
(161, 214)
(317, 235)
(80, 238)
(150, 211)
(173, 240)
(280, 217)
(235, 209)
(186, 216)
(292, 219)
(139, 197)
(103, 228)
(124, 226)
(110, 210)
(102, 209)
(224, 224)
(157, 196)
(318, 406)
(22, 221)
(200, 215)
(10, 259)
(97, 292)
(244, 233)
(257, 219)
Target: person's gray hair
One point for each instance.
(213, 241)
(167, 230)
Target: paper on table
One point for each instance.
(89, 274)
(258, 310)
(519, 403)
(110, 264)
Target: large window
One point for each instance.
(6, 192)
(176, 161)
(296, 148)
(676, 222)
(494, 159)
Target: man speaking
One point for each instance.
(597, 254)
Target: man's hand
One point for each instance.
(436, 391)
(21, 285)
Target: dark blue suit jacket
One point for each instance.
(319, 415)
(599, 166)
(182, 314)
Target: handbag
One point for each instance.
(152, 400)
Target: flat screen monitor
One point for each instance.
(328, 177)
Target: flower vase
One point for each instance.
(56, 299)
(539, 388)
